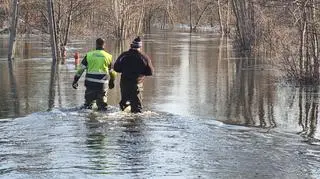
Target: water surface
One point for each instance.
(209, 114)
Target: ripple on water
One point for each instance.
(89, 144)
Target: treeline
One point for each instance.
(285, 32)
(118, 19)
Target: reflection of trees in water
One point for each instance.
(59, 87)
(132, 145)
(242, 92)
(123, 147)
(96, 142)
(308, 110)
(14, 89)
(265, 109)
(55, 69)
(249, 96)
(26, 50)
(27, 82)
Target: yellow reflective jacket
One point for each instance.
(97, 64)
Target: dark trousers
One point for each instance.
(99, 95)
(129, 95)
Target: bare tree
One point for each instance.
(13, 29)
(245, 24)
(202, 13)
(259, 27)
(4, 12)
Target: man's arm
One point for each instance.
(149, 70)
(79, 72)
(112, 75)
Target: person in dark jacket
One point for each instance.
(99, 76)
(133, 65)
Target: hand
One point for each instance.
(140, 79)
(74, 85)
(111, 84)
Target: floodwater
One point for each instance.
(208, 114)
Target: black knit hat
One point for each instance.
(136, 43)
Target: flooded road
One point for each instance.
(209, 114)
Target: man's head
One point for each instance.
(136, 43)
(99, 43)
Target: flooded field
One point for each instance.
(208, 114)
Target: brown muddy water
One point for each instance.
(208, 114)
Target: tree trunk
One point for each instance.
(56, 33)
(238, 19)
(220, 18)
(303, 27)
(227, 18)
(202, 13)
(141, 17)
(54, 54)
(116, 9)
(13, 29)
(315, 45)
(190, 8)
(69, 21)
(245, 23)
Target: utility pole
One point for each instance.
(13, 29)
(54, 53)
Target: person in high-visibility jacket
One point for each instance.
(99, 76)
(133, 65)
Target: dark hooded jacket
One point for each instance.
(132, 64)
